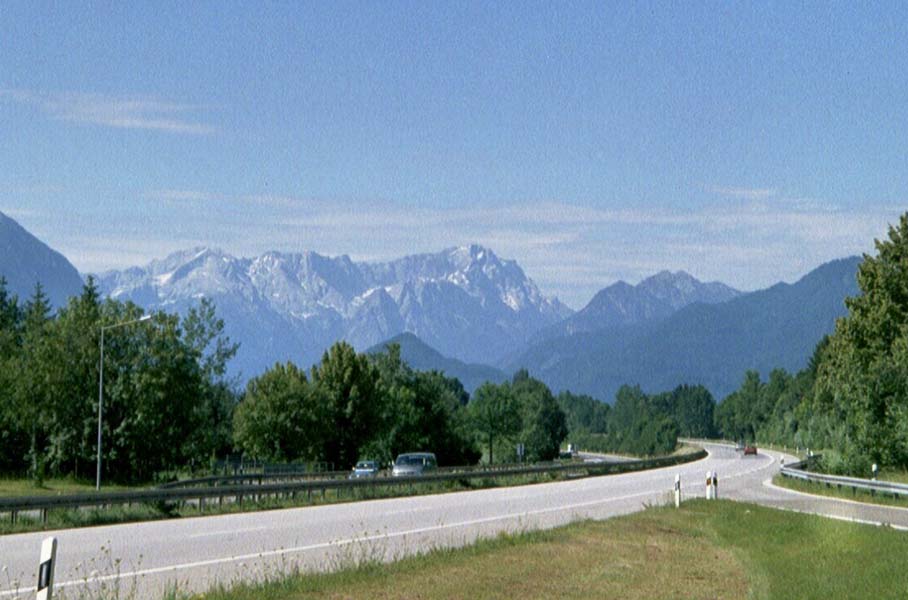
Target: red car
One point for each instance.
(750, 450)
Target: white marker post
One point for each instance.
(715, 486)
(874, 468)
(46, 569)
(709, 485)
(678, 491)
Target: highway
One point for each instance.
(196, 553)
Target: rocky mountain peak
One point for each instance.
(466, 301)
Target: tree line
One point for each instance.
(640, 424)
(169, 406)
(167, 403)
(852, 398)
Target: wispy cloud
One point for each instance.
(743, 192)
(570, 250)
(126, 112)
(180, 195)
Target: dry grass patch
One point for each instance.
(655, 554)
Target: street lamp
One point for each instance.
(101, 388)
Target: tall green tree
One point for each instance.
(349, 384)
(864, 374)
(495, 415)
(35, 370)
(282, 417)
(72, 443)
(544, 425)
(13, 438)
(420, 411)
(203, 332)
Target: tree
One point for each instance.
(692, 408)
(282, 417)
(34, 397)
(544, 425)
(13, 438)
(349, 384)
(864, 372)
(72, 439)
(204, 333)
(420, 411)
(584, 413)
(494, 414)
(737, 415)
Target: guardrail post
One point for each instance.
(46, 569)
(678, 490)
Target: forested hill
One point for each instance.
(704, 344)
(423, 357)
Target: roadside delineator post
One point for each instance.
(874, 468)
(46, 569)
(678, 490)
(715, 486)
(709, 485)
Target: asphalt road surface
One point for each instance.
(197, 553)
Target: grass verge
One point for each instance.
(846, 492)
(705, 550)
(52, 487)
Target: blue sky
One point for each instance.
(590, 141)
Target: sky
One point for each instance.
(591, 142)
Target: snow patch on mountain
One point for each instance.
(465, 301)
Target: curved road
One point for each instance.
(196, 553)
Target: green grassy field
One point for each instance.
(26, 487)
(705, 550)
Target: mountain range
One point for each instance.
(465, 302)
(471, 314)
(709, 344)
(653, 299)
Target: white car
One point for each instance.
(414, 463)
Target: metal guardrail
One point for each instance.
(260, 478)
(14, 505)
(797, 471)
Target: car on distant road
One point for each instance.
(365, 468)
(414, 463)
(750, 450)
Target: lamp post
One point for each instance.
(101, 388)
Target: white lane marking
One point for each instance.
(228, 531)
(322, 545)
